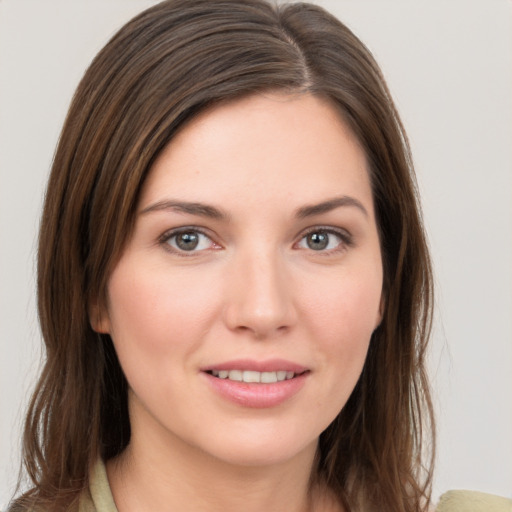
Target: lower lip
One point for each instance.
(257, 395)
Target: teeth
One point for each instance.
(235, 375)
(268, 377)
(251, 376)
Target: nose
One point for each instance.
(260, 296)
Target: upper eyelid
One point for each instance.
(343, 233)
(346, 238)
(183, 229)
(163, 240)
(329, 229)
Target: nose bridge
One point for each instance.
(260, 294)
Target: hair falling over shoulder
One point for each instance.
(162, 68)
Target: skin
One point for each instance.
(254, 289)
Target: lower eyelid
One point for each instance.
(345, 238)
(169, 235)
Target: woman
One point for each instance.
(234, 285)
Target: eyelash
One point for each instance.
(169, 235)
(345, 238)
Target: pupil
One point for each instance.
(318, 241)
(187, 241)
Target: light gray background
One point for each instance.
(448, 64)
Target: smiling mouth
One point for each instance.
(251, 376)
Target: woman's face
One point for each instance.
(255, 257)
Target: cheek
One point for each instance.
(158, 312)
(342, 316)
(349, 304)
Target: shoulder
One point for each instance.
(473, 501)
(98, 497)
(35, 504)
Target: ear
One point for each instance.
(380, 312)
(98, 318)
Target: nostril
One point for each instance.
(259, 301)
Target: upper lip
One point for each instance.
(270, 365)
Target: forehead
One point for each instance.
(259, 149)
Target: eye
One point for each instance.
(188, 240)
(324, 240)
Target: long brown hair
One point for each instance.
(162, 68)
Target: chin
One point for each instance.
(255, 448)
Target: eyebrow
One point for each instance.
(209, 211)
(329, 205)
(193, 208)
